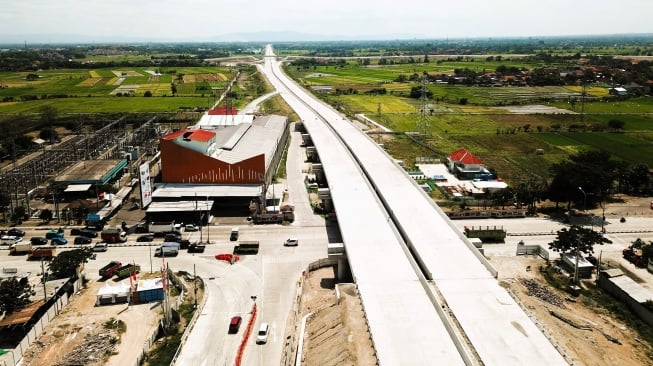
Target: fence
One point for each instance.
(155, 333)
(532, 249)
(13, 357)
(191, 324)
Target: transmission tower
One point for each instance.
(423, 124)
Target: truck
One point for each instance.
(162, 228)
(486, 233)
(247, 247)
(167, 249)
(113, 235)
(636, 254)
(20, 248)
(127, 270)
(42, 253)
(110, 269)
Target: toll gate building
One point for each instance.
(228, 165)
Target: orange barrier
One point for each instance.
(243, 343)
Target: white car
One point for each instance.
(191, 228)
(291, 242)
(262, 335)
(100, 247)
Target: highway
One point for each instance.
(389, 283)
(450, 273)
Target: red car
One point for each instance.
(234, 324)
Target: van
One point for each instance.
(234, 234)
(234, 324)
(262, 335)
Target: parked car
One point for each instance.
(191, 227)
(88, 233)
(172, 237)
(183, 244)
(83, 240)
(15, 232)
(262, 335)
(291, 242)
(75, 231)
(145, 238)
(234, 324)
(141, 228)
(38, 241)
(58, 241)
(101, 247)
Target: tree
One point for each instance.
(577, 239)
(46, 215)
(147, 94)
(173, 88)
(616, 124)
(594, 171)
(14, 294)
(65, 264)
(20, 213)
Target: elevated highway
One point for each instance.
(429, 296)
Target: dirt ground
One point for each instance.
(70, 337)
(590, 336)
(336, 333)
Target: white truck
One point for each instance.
(167, 249)
(162, 228)
(20, 248)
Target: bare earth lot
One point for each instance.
(588, 336)
(72, 338)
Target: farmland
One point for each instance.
(377, 80)
(113, 90)
(469, 116)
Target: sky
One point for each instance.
(204, 20)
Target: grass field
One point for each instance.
(94, 90)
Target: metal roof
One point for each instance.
(632, 288)
(210, 121)
(261, 137)
(179, 190)
(202, 204)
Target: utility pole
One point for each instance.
(45, 292)
(578, 241)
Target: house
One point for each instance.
(465, 165)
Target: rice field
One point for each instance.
(100, 83)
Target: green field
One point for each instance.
(106, 90)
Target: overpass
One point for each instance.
(429, 296)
